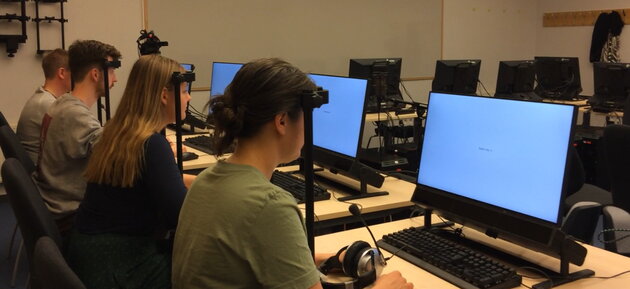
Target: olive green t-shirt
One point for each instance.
(237, 230)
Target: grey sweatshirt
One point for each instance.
(30, 123)
(70, 133)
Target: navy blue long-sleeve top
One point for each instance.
(152, 203)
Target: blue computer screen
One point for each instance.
(506, 153)
(337, 124)
(222, 75)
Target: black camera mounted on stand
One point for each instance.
(177, 79)
(105, 68)
(310, 100)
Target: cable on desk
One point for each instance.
(610, 277)
(541, 272)
(334, 195)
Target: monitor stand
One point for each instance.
(363, 193)
(555, 279)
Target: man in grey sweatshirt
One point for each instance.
(56, 84)
(69, 131)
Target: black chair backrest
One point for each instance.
(51, 268)
(12, 148)
(34, 218)
(617, 148)
(575, 176)
(3, 120)
(581, 221)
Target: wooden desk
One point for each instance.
(604, 263)
(204, 159)
(400, 193)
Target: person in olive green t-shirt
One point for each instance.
(236, 229)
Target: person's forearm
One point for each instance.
(188, 179)
(321, 257)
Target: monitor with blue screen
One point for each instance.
(222, 75)
(337, 130)
(337, 125)
(496, 163)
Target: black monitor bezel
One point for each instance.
(362, 68)
(573, 89)
(340, 163)
(510, 71)
(449, 68)
(495, 221)
(602, 77)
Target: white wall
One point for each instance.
(116, 22)
(490, 30)
(576, 41)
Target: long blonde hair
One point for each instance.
(118, 157)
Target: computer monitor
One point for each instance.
(497, 165)
(370, 69)
(612, 85)
(189, 68)
(338, 125)
(456, 76)
(222, 75)
(515, 77)
(558, 77)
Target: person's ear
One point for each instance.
(280, 122)
(95, 74)
(61, 73)
(164, 96)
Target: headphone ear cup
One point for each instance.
(351, 259)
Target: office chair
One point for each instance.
(32, 215)
(617, 149)
(619, 220)
(51, 268)
(12, 148)
(581, 221)
(3, 120)
(578, 190)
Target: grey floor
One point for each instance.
(7, 223)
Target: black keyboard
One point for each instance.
(449, 260)
(203, 143)
(295, 186)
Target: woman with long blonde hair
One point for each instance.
(135, 190)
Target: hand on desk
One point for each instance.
(392, 280)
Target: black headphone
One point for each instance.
(361, 262)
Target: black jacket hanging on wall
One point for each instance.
(606, 26)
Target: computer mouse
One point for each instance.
(187, 156)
